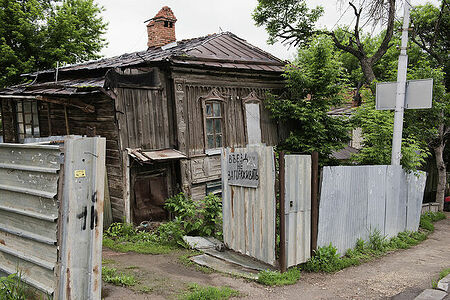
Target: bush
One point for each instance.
(203, 218)
(275, 278)
(326, 259)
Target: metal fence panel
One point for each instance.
(357, 200)
(249, 213)
(28, 213)
(298, 208)
(416, 186)
(81, 235)
(42, 214)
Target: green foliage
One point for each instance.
(203, 218)
(197, 292)
(275, 14)
(427, 219)
(144, 247)
(377, 128)
(314, 85)
(444, 273)
(12, 288)
(111, 275)
(326, 259)
(35, 34)
(275, 278)
(123, 237)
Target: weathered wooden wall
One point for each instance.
(201, 167)
(101, 122)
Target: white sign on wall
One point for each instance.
(242, 169)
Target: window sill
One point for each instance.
(216, 151)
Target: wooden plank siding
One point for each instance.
(200, 168)
(104, 122)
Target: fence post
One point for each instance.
(282, 214)
(314, 199)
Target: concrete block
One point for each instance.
(444, 284)
(431, 294)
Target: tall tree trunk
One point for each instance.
(442, 170)
(366, 67)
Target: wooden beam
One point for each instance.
(68, 102)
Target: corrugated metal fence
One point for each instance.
(51, 202)
(249, 213)
(297, 208)
(356, 200)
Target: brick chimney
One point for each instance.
(161, 28)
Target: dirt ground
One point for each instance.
(404, 273)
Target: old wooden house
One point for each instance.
(166, 112)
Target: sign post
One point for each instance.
(401, 90)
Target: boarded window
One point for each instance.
(150, 196)
(253, 123)
(27, 119)
(213, 124)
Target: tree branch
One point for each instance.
(358, 15)
(387, 38)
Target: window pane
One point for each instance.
(209, 126)
(27, 106)
(208, 110)
(210, 141)
(218, 125)
(28, 118)
(217, 112)
(218, 140)
(19, 106)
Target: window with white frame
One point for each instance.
(27, 119)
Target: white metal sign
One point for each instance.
(419, 94)
(242, 169)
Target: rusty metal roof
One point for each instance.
(65, 87)
(155, 156)
(224, 50)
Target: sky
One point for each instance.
(127, 31)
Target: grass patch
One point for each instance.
(427, 219)
(111, 275)
(197, 292)
(184, 260)
(107, 262)
(275, 278)
(326, 259)
(444, 273)
(144, 247)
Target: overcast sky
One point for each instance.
(128, 33)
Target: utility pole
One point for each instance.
(401, 90)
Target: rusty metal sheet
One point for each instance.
(249, 213)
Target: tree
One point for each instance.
(291, 21)
(313, 84)
(433, 124)
(36, 34)
(377, 128)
